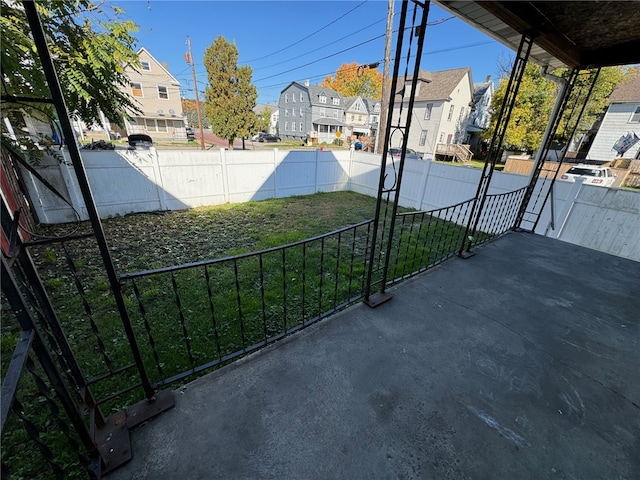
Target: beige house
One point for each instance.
(157, 93)
(440, 113)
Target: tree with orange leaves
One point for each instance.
(352, 79)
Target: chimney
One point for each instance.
(306, 83)
(488, 78)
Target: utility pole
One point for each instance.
(386, 84)
(189, 58)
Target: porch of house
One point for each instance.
(520, 362)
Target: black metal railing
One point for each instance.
(44, 427)
(197, 316)
(426, 238)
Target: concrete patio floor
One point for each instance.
(521, 362)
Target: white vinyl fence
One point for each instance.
(125, 181)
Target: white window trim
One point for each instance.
(286, 126)
(635, 116)
(428, 111)
(286, 98)
(166, 89)
(451, 110)
(141, 89)
(423, 137)
(301, 97)
(142, 64)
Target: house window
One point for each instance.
(301, 97)
(423, 138)
(293, 112)
(136, 89)
(300, 126)
(286, 98)
(155, 125)
(353, 117)
(427, 111)
(441, 138)
(451, 109)
(336, 101)
(293, 126)
(322, 99)
(286, 126)
(162, 92)
(374, 119)
(359, 118)
(461, 114)
(322, 112)
(286, 112)
(376, 109)
(635, 118)
(335, 114)
(301, 113)
(145, 66)
(449, 138)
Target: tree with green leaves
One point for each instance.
(352, 80)
(230, 96)
(536, 98)
(91, 45)
(263, 120)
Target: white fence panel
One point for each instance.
(189, 179)
(604, 219)
(123, 181)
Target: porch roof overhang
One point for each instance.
(581, 34)
(328, 121)
(361, 129)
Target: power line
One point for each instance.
(432, 52)
(308, 36)
(323, 58)
(319, 48)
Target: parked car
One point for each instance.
(190, 133)
(139, 141)
(258, 136)
(592, 174)
(267, 137)
(395, 152)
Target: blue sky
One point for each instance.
(285, 41)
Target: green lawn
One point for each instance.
(210, 312)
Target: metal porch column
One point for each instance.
(389, 195)
(63, 116)
(540, 188)
(495, 146)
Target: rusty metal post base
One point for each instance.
(464, 254)
(377, 299)
(146, 410)
(114, 440)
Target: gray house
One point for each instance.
(309, 111)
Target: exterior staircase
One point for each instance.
(458, 151)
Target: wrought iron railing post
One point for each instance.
(495, 145)
(74, 152)
(381, 296)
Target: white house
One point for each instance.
(480, 114)
(622, 119)
(157, 94)
(440, 110)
